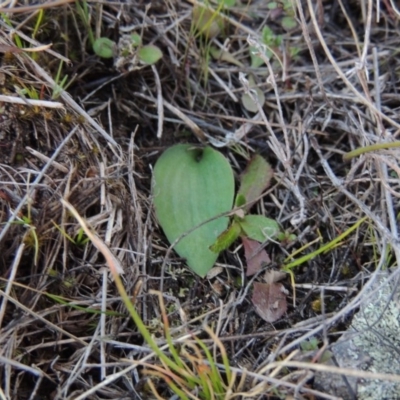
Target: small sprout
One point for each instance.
(19, 157)
(250, 101)
(294, 52)
(256, 60)
(286, 237)
(136, 39)
(67, 119)
(68, 283)
(81, 238)
(207, 22)
(270, 38)
(52, 273)
(104, 47)
(310, 344)
(149, 54)
(223, 55)
(316, 305)
(249, 104)
(288, 23)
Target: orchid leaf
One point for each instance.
(192, 185)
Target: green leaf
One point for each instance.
(228, 3)
(226, 238)
(310, 344)
(269, 38)
(288, 23)
(207, 22)
(258, 227)
(254, 180)
(149, 54)
(223, 55)
(257, 61)
(104, 47)
(136, 39)
(192, 185)
(267, 35)
(249, 104)
(272, 5)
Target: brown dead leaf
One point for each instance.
(269, 299)
(9, 49)
(255, 256)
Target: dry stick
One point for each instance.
(35, 43)
(32, 187)
(293, 181)
(364, 209)
(37, 317)
(103, 334)
(273, 141)
(395, 9)
(307, 38)
(192, 125)
(382, 168)
(223, 85)
(111, 259)
(276, 382)
(359, 96)
(351, 26)
(45, 159)
(386, 233)
(22, 9)
(23, 367)
(125, 372)
(10, 279)
(73, 104)
(362, 71)
(160, 107)
(337, 370)
(79, 366)
(340, 314)
(31, 102)
(367, 33)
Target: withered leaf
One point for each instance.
(9, 49)
(255, 256)
(269, 299)
(272, 276)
